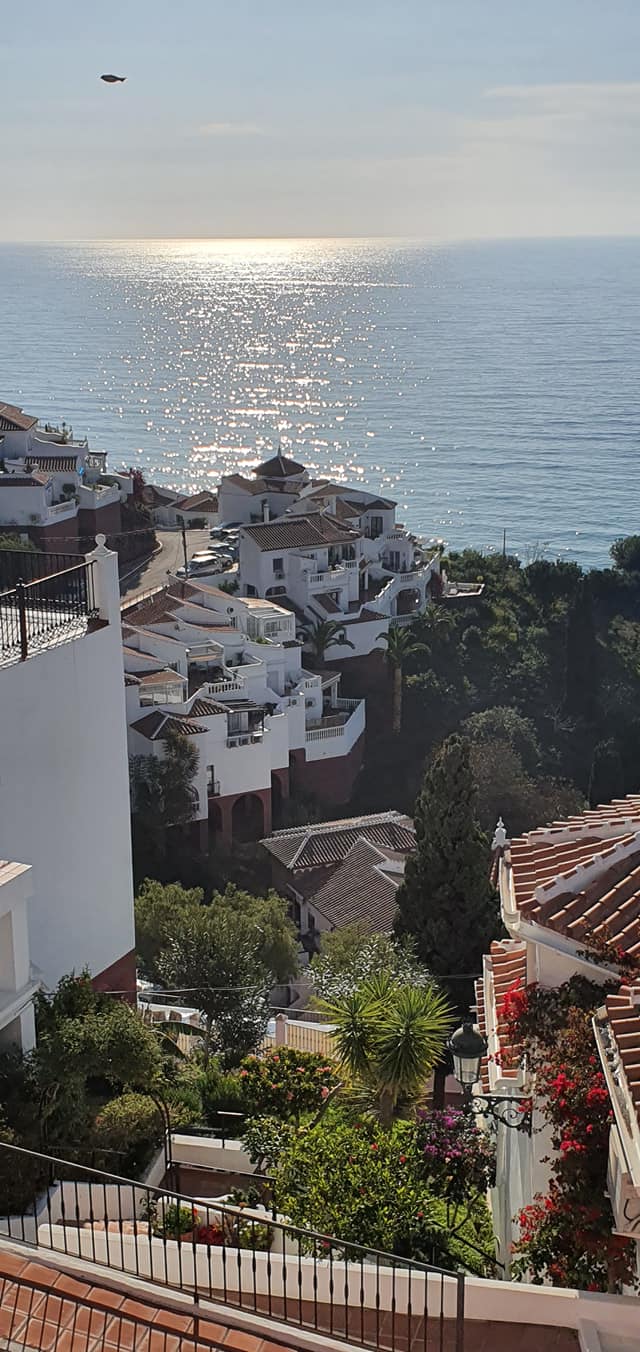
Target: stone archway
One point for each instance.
(408, 601)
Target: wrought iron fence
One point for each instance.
(30, 565)
(236, 1255)
(35, 614)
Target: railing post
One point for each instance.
(460, 1314)
(21, 599)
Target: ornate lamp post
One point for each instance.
(467, 1047)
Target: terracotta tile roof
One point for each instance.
(12, 419)
(366, 615)
(164, 677)
(279, 467)
(621, 1025)
(53, 463)
(205, 502)
(205, 708)
(192, 588)
(504, 966)
(328, 843)
(360, 890)
(582, 878)
(300, 532)
(155, 726)
(154, 610)
(253, 486)
(43, 1307)
(37, 479)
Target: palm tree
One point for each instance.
(388, 1038)
(400, 645)
(323, 634)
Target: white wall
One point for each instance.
(64, 796)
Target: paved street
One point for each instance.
(153, 573)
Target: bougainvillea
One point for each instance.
(566, 1236)
(457, 1158)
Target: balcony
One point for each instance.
(327, 580)
(46, 611)
(337, 733)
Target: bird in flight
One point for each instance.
(113, 79)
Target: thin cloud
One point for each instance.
(230, 129)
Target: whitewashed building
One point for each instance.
(18, 979)
(562, 888)
(227, 671)
(64, 791)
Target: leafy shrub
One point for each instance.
(286, 1083)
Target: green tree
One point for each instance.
(214, 957)
(388, 1038)
(446, 900)
(581, 677)
(277, 935)
(320, 635)
(163, 800)
(524, 801)
(607, 773)
(625, 552)
(401, 644)
(157, 908)
(504, 724)
(9, 541)
(351, 955)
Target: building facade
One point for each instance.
(64, 789)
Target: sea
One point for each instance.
(489, 388)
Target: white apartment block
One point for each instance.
(53, 489)
(64, 790)
(227, 671)
(328, 552)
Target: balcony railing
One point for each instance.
(245, 1259)
(36, 615)
(213, 788)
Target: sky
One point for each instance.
(429, 119)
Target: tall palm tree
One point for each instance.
(400, 645)
(321, 635)
(389, 1037)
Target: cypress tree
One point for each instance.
(447, 902)
(581, 672)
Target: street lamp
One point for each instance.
(467, 1047)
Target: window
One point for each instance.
(278, 567)
(212, 786)
(375, 527)
(251, 590)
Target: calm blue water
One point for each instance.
(485, 386)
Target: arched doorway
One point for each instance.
(247, 817)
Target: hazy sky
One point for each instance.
(319, 117)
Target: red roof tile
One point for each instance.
(12, 419)
(504, 968)
(581, 877)
(623, 1023)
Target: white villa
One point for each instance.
(53, 489)
(560, 886)
(328, 551)
(227, 671)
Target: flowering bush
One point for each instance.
(286, 1083)
(456, 1157)
(566, 1236)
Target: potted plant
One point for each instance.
(178, 1222)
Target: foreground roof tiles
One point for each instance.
(581, 877)
(504, 968)
(325, 843)
(623, 1026)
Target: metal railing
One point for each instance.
(238, 1256)
(35, 615)
(29, 565)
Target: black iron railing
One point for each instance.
(35, 614)
(30, 565)
(241, 1257)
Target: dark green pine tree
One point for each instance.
(581, 672)
(606, 780)
(447, 902)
